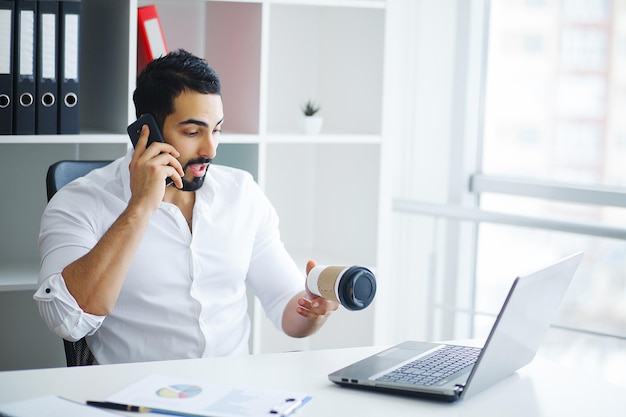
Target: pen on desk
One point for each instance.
(116, 406)
(137, 409)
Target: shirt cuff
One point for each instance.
(62, 313)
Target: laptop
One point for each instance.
(450, 372)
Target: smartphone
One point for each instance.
(134, 129)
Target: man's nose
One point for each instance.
(209, 146)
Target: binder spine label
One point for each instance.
(71, 47)
(7, 26)
(155, 38)
(5, 41)
(27, 43)
(48, 39)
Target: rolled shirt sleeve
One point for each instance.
(60, 311)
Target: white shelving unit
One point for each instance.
(105, 99)
(272, 56)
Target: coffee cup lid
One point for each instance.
(357, 288)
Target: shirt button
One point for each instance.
(48, 290)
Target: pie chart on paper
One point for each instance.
(179, 391)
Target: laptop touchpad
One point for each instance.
(398, 354)
(389, 358)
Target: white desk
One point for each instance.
(540, 389)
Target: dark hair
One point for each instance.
(165, 78)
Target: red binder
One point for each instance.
(150, 39)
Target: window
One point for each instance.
(554, 115)
(510, 148)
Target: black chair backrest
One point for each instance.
(59, 174)
(63, 172)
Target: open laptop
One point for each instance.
(513, 341)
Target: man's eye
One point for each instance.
(191, 133)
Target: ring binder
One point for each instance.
(24, 67)
(7, 10)
(69, 81)
(150, 39)
(47, 79)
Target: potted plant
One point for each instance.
(312, 121)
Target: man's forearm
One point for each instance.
(95, 280)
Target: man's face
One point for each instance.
(194, 129)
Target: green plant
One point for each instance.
(310, 108)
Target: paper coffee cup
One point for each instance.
(354, 287)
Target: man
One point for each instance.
(152, 272)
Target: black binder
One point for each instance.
(24, 67)
(7, 10)
(47, 67)
(69, 82)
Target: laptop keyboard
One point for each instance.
(432, 369)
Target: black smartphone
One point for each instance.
(134, 129)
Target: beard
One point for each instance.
(195, 183)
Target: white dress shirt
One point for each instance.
(185, 293)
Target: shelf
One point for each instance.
(88, 138)
(232, 138)
(295, 139)
(359, 4)
(19, 276)
(271, 56)
(243, 138)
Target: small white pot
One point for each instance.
(312, 124)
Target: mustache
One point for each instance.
(198, 161)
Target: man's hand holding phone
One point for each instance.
(154, 163)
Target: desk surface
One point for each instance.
(539, 389)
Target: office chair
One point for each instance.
(60, 173)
